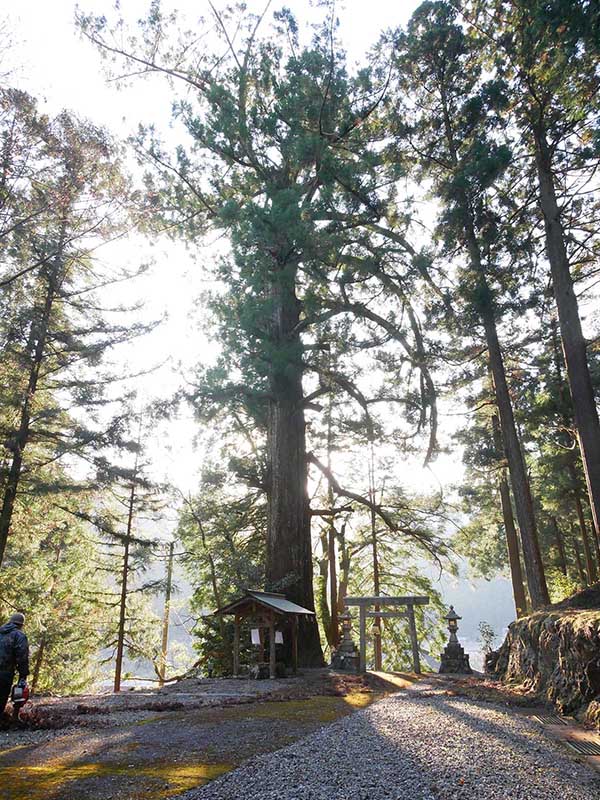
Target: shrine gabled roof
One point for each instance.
(271, 600)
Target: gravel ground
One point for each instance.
(10, 740)
(414, 746)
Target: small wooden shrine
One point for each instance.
(265, 611)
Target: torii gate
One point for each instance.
(363, 603)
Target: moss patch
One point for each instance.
(322, 708)
(182, 777)
(392, 681)
(152, 782)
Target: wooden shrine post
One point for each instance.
(295, 645)
(236, 647)
(272, 653)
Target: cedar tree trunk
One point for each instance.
(289, 567)
(333, 588)
(587, 549)
(164, 645)
(123, 599)
(534, 568)
(321, 600)
(574, 344)
(560, 546)
(512, 541)
(512, 546)
(580, 570)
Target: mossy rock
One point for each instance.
(555, 652)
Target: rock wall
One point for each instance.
(556, 654)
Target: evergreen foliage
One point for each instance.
(64, 194)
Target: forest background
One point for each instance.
(189, 488)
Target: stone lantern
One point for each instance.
(452, 618)
(346, 656)
(454, 659)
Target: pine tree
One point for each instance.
(52, 577)
(64, 195)
(127, 511)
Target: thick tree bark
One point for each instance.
(596, 543)
(376, 590)
(512, 546)
(334, 626)
(590, 564)
(534, 569)
(37, 664)
(571, 459)
(289, 554)
(334, 622)
(574, 344)
(560, 546)
(512, 541)
(484, 303)
(374, 546)
(580, 570)
(375, 556)
(344, 569)
(321, 599)
(587, 549)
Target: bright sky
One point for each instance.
(53, 63)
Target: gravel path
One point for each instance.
(415, 746)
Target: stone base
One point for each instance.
(345, 661)
(454, 660)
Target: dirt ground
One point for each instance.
(156, 744)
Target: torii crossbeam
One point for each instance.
(364, 603)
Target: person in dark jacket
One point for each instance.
(14, 656)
